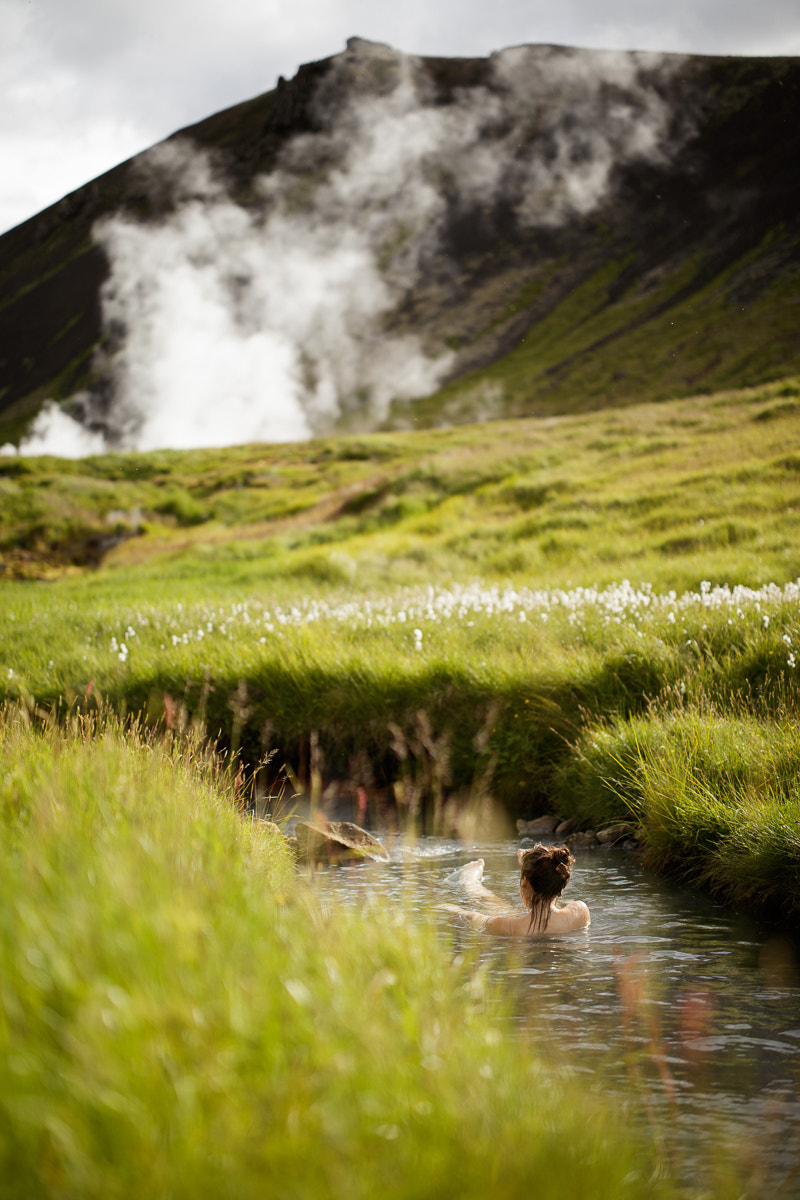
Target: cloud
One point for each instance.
(133, 71)
(273, 322)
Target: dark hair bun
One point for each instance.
(562, 861)
(547, 868)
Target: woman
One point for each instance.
(544, 873)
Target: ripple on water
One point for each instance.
(660, 967)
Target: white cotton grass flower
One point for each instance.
(633, 611)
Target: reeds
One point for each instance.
(179, 1016)
(715, 796)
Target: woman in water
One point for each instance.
(544, 873)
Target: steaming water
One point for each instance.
(723, 993)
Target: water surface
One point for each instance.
(668, 1000)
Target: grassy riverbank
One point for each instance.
(179, 1015)
(321, 599)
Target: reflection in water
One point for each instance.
(667, 995)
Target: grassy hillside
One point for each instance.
(704, 488)
(617, 339)
(683, 277)
(441, 617)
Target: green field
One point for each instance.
(444, 618)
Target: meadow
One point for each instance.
(446, 615)
(598, 616)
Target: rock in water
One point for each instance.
(545, 824)
(588, 838)
(337, 841)
(614, 834)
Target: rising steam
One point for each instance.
(229, 324)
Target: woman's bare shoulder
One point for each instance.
(574, 915)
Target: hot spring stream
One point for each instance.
(670, 999)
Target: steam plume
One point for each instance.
(271, 322)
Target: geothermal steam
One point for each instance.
(230, 324)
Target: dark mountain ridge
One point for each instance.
(584, 230)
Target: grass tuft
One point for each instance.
(179, 1015)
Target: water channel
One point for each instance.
(669, 999)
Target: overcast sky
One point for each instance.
(85, 84)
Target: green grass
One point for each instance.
(615, 341)
(714, 794)
(263, 601)
(180, 1016)
(673, 493)
(178, 1012)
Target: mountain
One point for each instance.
(387, 240)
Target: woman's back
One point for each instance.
(545, 915)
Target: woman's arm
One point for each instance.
(467, 915)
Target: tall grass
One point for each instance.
(325, 594)
(179, 1016)
(716, 798)
(507, 678)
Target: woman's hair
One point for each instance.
(547, 870)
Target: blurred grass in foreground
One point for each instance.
(180, 1017)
